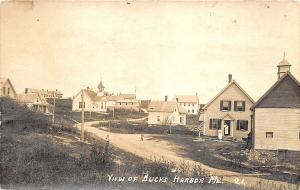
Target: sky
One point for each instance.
(156, 47)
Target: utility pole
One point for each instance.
(82, 116)
(113, 112)
(53, 109)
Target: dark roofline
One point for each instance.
(273, 86)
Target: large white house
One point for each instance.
(276, 115)
(166, 113)
(189, 102)
(228, 111)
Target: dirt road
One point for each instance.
(151, 149)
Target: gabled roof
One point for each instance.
(31, 98)
(288, 100)
(187, 98)
(113, 98)
(128, 96)
(233, 82)
(4, 81)
(91, 94)
(165, 106)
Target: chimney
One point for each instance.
(26, 90)
(176, 99)
(229, 78)
(56, 90)
(166, 98)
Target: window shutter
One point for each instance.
(219, 123)
(235, 103)
(247, 125)
(221, 105)
(210, 123)
(244, 106)
(238, 124)
(229, 106)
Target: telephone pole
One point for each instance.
(53, 109)
(82, 116)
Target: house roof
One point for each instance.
(128, 96)
(4, 80)
(287, 95)
(33, 90)
(187, 98)
(91, 94)
(165, 106)
(233, 82)
(31, 98)
(128, 100)
(113, 98)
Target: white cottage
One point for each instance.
(228, 111)
(35, 102)
(166, 113)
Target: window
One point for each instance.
(225, 105)
(242, 125)
(120, 103)
(8, 91)
(269, 134)
(3, 90)
(184, 104)
(215, 124)
(158, 118)
(80, 104)
(189, 111)
(181, 119)
(239, 105)
(189, 104)
(192, 111)
(126, 103)
(175, 109)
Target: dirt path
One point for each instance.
(151, 149)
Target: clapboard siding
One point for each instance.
(285, 125)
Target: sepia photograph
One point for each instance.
(150, 94)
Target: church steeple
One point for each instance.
(100, 87)
(283, 67)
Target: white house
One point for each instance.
(35, 102)
(91, 102)
(7, 89)
(276, 115)
(228, 111)
(189, 102)
(166, 113)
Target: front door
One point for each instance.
(227, 127)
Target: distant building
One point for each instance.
(166, 113)
(7, 89)
(35, 102)
(189, 102)
(276, 115)
(228, 111)
(128, 104)
(91, 102)
(101, 101)
(45, 93)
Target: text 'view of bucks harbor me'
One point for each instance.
(166, 95)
